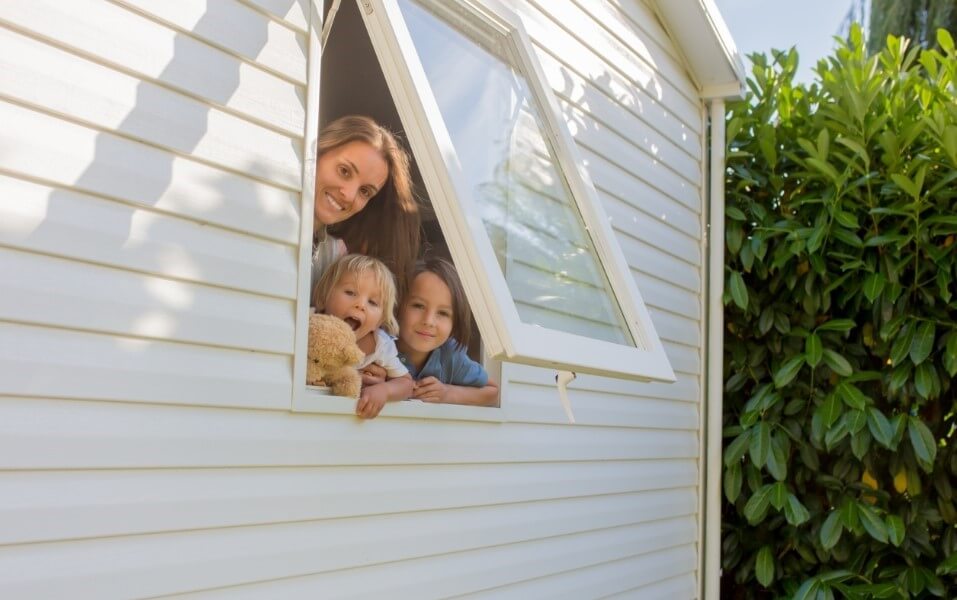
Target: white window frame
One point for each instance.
(504, 334)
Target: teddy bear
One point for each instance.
(333, 356)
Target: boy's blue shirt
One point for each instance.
(451, 365)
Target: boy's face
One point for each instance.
(357, 300)
(425, 321)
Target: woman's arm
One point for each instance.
(374, 397)
(430, 389)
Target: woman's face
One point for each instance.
(347, 177)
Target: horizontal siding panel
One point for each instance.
(628, 186)
(601, 60)
(605, 28)
(471, 571)
(612, 139)
(123, 39)
(680, 586)
(48, 291)
(69, 224)
(684, 359)
(602, 579)
(70, 155)
(653, 261)
(293, 13)
(686, 388)
(666, 296)
(52, 434)
(618, 151)
(39, 75)
(640, 16)
(540, 404)
(675, 328)
(236, 28)
(651, 229)
(58, 505)
(607, 99)
(170, 563)
(37, 361)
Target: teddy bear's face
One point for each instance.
(332, 342)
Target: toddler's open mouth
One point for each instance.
(352, 322)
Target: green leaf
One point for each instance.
(779, 495)
(950, 354)
(850, 516)
(860, 443)
(905, 183)
(895, 529)
(757, 506)
(777, 458)
(808, 591)
(925, 380)
(948, 565)
(813, 350)
(831, 530)
(851, 395)
(856, 420)
(837, 363)
(737, 448)
(760, 444)
(872, 523)
(880, 427)
(739, 292)
(873, 286)
(831, 409)
(735, 213)
(922, 440)
(732, 482)
(945, 41)
(764, 566)
(788, 371)
(794, 511)
(922, 343)
(874, 590)
(901, 346)
(836, 325)
(835, 434)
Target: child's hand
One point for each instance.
(430, 389)
(371, 401)
(373, 374)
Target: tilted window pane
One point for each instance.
(540, 240)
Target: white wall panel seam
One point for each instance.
(232, 171)
(179, 89)
(130, 6)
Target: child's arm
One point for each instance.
(374, 397)
(430, 389)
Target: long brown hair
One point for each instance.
(389, 227)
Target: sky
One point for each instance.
(759, 25)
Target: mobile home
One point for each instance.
(157, 437)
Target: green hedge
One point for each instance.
(841, 339)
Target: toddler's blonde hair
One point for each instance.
(355, 265)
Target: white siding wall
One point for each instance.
(149, 173)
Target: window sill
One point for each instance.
(318, 401)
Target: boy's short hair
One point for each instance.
(461, 314)
(356, 264)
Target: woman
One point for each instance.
(363, 201)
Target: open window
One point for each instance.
(545, 277)
(502, 190)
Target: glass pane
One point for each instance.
(540, 240)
